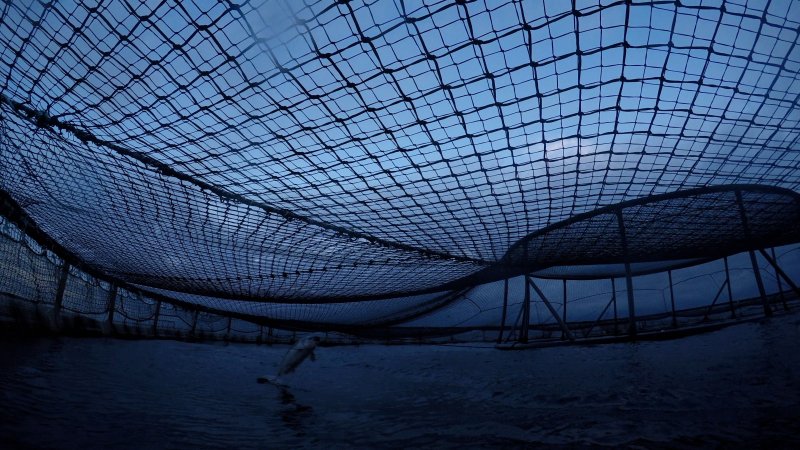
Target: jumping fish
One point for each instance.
(303, 349)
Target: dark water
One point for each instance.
(733, 388)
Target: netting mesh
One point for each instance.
(694, 224)
(343, 151)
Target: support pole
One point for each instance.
(155, 318)
(778, 279)
(714, 302)
(599, 318)
(761, 291)
(730, 292)
(777, 276)
(526, 312)
(505, 310)
(614, 297)
(672, 300)
(553, 311)
(517, 323)
(753, 261)
(59, 300)
(781, 273)
(564, 318)
(628, 276)
(112, 305)
(194, 322)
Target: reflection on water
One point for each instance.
(731, 388)
(293, 413)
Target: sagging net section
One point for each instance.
(343, 151)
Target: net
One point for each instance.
(335, 154)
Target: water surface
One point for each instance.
(737, 387)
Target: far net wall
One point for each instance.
(30, 276)
(598, 308)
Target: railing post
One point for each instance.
(112, 305)
(194, 322)
(59, 300)
(526, 312)
(672, 300)
(505, 310)
(614, 297)
(628, 275)
(778, 279)
(564, 312)
(730, 291)
(155, 318)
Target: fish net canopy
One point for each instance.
(368, 160)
